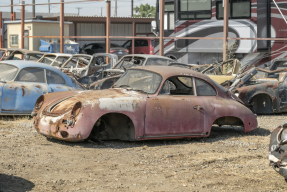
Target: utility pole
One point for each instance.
(49, 6)
(22, 23)
(33, 9)
(225, 29)
(132, 7)
(101, 11)
(62, 26)
(12, 17)
(78, 9)
(116, 8)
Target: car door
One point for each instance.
(56, 82)
(20, 96)
(176, 112)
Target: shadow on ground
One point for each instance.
(12, 183)
(217, 134)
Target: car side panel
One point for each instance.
(20, 97)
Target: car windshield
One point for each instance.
(47, 59)
(78, 62)
(139, 80)
(7, 72)
(129, 61)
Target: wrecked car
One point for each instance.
(22, 82)
(26, 55)
(108, 77)
(219, 72)
(264, 95)
(5, 52)
(80, 65)
(150, 102)
(106, 61)
(55, 59)
(278, 150)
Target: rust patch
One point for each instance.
(38, 86)
(6, 99)
(23, 90)
(59, 87)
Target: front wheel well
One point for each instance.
(261, 104)
(113, 126)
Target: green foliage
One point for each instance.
(144, 11)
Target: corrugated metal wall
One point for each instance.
(92, 29)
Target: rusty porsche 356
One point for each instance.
(151, 102)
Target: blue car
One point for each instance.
(22, 82)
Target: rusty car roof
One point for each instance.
(168, 71)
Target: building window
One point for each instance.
(14, 40)
(194, 9)
(238, 9)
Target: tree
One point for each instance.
(144, 11)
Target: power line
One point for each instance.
(52, 3)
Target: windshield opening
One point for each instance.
(128, 62)
(78, 62)
(139, 80)
(47, 59)
(7, 72)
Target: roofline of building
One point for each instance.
(35, 21)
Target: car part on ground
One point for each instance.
(149, 102)
(278, 150)
(22, 82)
(26, 55)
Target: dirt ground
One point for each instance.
(229, 160)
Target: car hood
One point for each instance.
(220, 78)
(105, 99)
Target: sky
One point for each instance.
(87, 8)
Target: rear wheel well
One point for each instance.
(113, 126)
(229, 120)
(261, 104)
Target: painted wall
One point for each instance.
(35, 29)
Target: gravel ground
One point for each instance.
(228, 160)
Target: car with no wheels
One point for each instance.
(150, 102)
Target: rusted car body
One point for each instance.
(80, 65)
(22, 82)
(26, 55)
(106, 61)
(278, 150)
(5, 52)
(263, 95)
(55, 59)
(151, 102)
(109, 76)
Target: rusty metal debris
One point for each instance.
(278, 150)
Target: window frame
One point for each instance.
(230, 10)
(47, 70)
(45, 78)
(11, 41)
(194, 13)
(194, 80)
